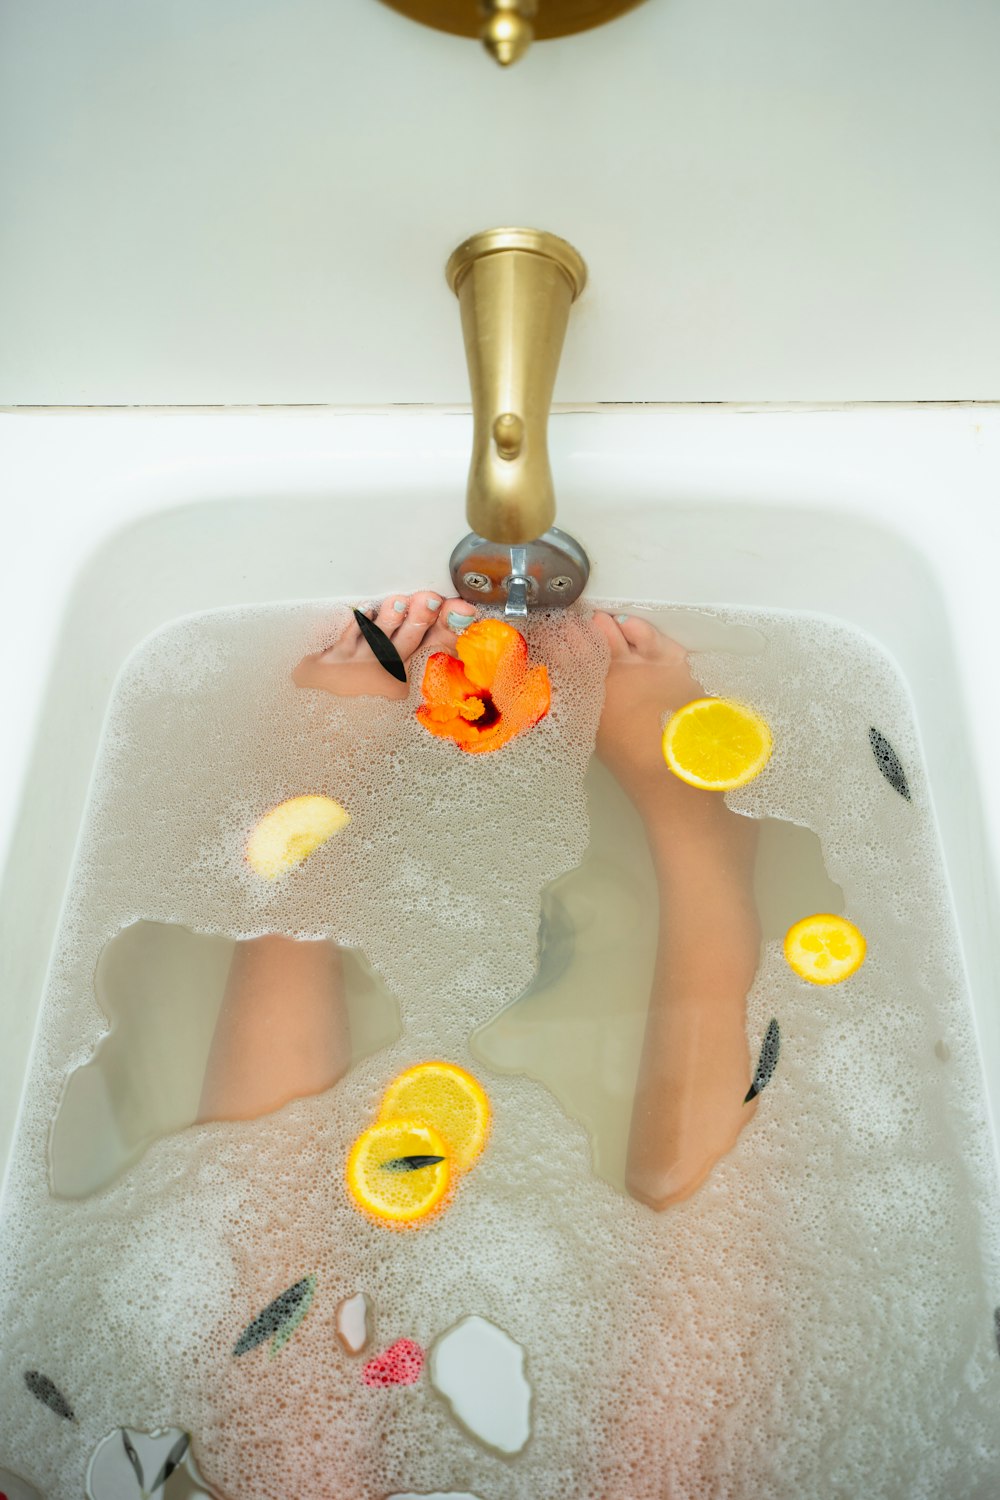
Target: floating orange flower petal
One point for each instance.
(488, 695)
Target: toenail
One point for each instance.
(457, 621)
(400, 605)
(433, 602)
(621, 619)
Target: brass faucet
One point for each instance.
(507, 28)
(515, 288)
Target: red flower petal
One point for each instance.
(488, 697)
(400, 1364)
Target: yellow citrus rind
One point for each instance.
(290, 832)
(449, 1100)
(716, 744)
(397, 1197)
(825, 949)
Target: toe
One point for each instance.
(343, 648)
(641, 636)
(454, 616)
(422, 612)
(612, 633)
(392, 613)
(649, 642)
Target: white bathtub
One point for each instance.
(117, 521)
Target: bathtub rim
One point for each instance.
(179, 462)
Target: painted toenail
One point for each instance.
(621, 619)
(457, 621)
(399, 605)
(433, 602)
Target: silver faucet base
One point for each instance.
(548, 573)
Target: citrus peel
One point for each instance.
(448, 1099)
(393, 1196)
(824, 948)
(716, 744)
(290, 832)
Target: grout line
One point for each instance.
(557, 409)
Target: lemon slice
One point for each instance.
(716, 744)
(290, 832)
(450, 1100)
(825, 949)
(387, 1175)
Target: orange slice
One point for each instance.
(716, 744)
(824, 949)
(379, 1179)
(450, 1100)
(290, 832)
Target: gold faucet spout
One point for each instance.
(515, 288)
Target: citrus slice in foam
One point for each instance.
(824, 949)
(450, 1100)
(392, 1172)
(716, 744)
(290, 832)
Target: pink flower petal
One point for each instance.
(400, 1364)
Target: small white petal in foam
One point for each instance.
(111, 1474)
(354, 1322)
(479, 1370)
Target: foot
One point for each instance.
(695, 1068)
(349, 668)
(689, 1109)
(648, 678)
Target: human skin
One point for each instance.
(694, 1071)
(282, 1031)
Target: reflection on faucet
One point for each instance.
(515, 288)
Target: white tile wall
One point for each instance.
(239, 201)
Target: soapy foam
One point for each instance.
(817, 1318)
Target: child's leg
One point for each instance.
(695, 1066)
(282, 1032)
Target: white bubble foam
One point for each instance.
(818, 1317)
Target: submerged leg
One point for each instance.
(695, 1065)
(282, 1032)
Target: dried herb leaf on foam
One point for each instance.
(45, 1390)
(279, 1319)
(134, 1459)
(888, 763)
(381, 646)
(410, 1163)
(767, 1061)
(173, 1458)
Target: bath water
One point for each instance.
(817, 1319)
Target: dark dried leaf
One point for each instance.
(410, 1163)
(49, 1394)
(171, 1461)
(768, 1060)
(382, 647)
(134, 1459)
(888, 763)
(279, 1317)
